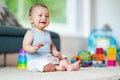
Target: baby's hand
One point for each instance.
(58, 55)
(38, 45)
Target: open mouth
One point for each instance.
(43, 22)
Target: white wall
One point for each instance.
(70, 46)
(108, 11)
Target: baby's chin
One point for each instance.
(41, 27)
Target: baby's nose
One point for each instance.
(43, 17)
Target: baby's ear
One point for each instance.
(31, 20)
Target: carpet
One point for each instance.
(84, 73)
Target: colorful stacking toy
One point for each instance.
(85, 57)
(22, 59)
(100, 54)
(111, 56)
(99, 58)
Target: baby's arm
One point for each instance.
(27, 43)
(54, 51)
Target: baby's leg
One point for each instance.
(74, 66)
(64, 62)
(49, 68)
(60, 68)
(70, 67)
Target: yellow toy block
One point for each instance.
(111, 50)
(111, 53)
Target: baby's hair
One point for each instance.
(42, 5)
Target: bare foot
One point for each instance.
(73, 67)
(60, 68)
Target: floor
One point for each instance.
(84, 73)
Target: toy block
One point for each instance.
(111, 57)
(111, 50)
(111, 53)
(99, 51)
(99, 54)
(111, 63)
(100, 57)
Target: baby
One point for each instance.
(41, 52)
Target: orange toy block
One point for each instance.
(100, 57)
(111, 57)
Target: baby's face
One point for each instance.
(40, 17)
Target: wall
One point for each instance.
(108, 11)
(70, 46)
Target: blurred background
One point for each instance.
(73, 20)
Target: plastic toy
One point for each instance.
(86, 58)
(99, 63)
(75, 58)
(111, 56)
(22, 59)
(118, 56)
(111, 62)
(102, 38)
(99, 58)
(100, 54)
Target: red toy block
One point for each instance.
(99, 51)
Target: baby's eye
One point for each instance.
(40, 15)
(47, 16)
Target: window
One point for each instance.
(21, 9)
(70, 27)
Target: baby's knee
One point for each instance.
(49, 68)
